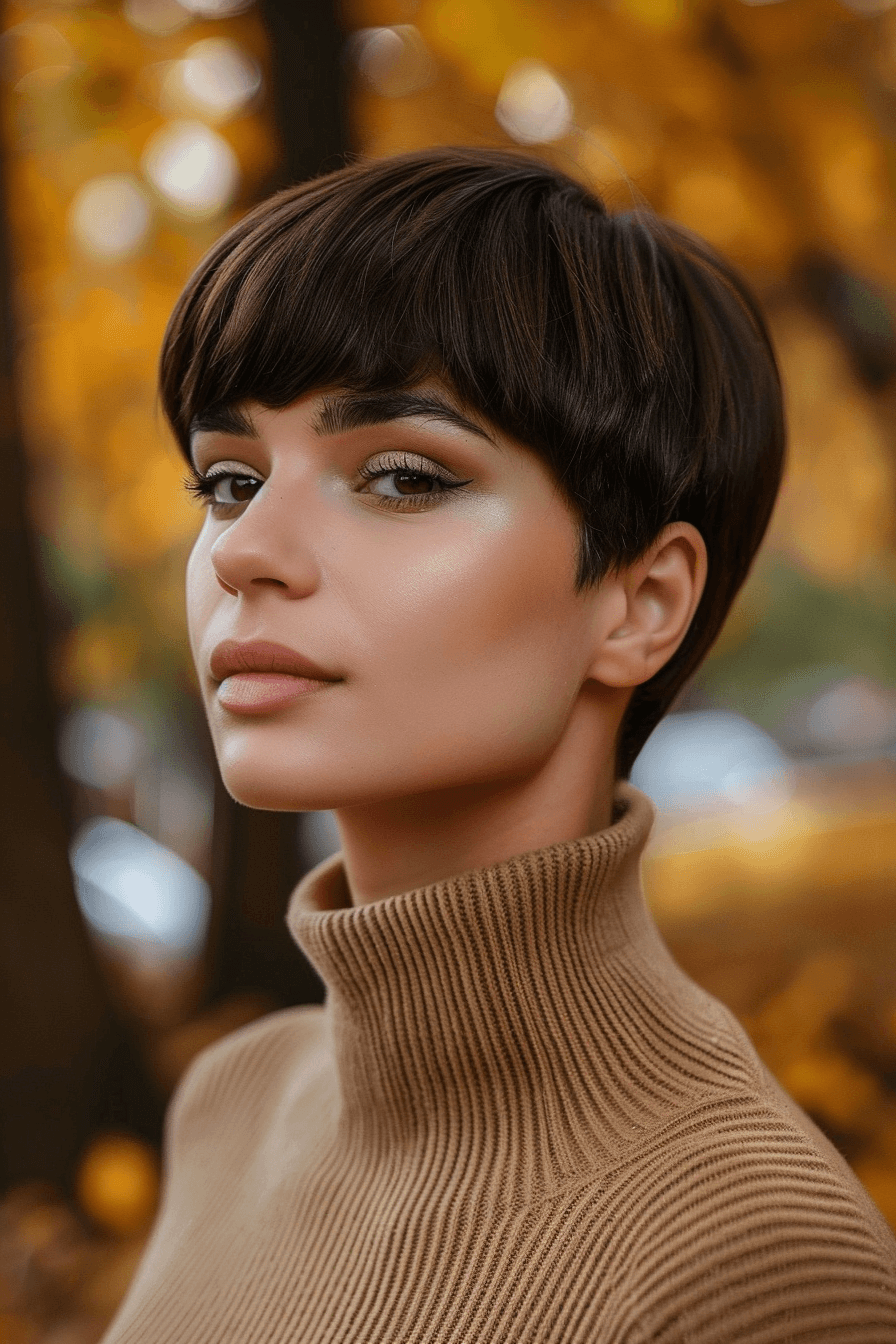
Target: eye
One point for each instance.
(403, 480)
(223, 490)
(395, 484)
(233, 489)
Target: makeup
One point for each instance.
(265, 692)
(260, 677)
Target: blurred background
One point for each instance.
(142, 911)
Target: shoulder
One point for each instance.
(245, 1072)
(738, 1222)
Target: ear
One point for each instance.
(649, 606)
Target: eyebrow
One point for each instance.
(357, 410)
(344, 412)
(224, 420)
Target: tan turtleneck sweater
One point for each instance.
(515, 1121)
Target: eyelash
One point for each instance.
(202, 486)
(393, 464)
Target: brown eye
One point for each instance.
(413, 483)
(407, 483)
(400, 484)
(236, 489)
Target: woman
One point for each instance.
(484, 469)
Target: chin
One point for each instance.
(268, 792)
(297, 781)
(274, 771)
(266, 768)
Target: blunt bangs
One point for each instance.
(620, 348)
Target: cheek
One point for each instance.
(202, 590)
(480, 639)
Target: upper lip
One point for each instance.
(260, 655)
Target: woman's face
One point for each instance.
(417, 575)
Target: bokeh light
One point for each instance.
(215, 80)
(111, 217)
(711, 758)
(216, 9)
(193, 168)
(533, 107)
(99, 749)
(136, 893)
(393, 61)
(854, 715)
(159, 18)
(118, 1184)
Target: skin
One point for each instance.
(479, 695)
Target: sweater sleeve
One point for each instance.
(746, 1233)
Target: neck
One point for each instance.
(400, 844)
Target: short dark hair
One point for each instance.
(620, 347)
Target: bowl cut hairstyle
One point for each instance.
(619, 347)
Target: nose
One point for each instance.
(267, 547)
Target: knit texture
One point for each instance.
(514, 1120)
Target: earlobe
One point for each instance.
(650, 605)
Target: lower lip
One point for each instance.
(263, 692)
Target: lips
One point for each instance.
(259, 655)
(259, 677)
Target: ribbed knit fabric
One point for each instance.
(514, 1120)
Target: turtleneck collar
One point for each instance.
(529, 1006)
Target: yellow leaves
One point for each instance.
(34, 192)
(658, 15)
(704, 867)
(835, 511)
(838, 152)
(845, 163)
(91, 353)
(99, 38)
(850, 179)
(793, 1033)
(109, 478)
(606, 155)
(91, 377)
(255, 147)
(689, 86)
(32, 45)
(98, 660)
(484, 37)
(357, 14)
(118, 1183)
(793, 1021)
(151, 513)
(712, 201)
(37, 52)
(719, 195)
(832, 1087)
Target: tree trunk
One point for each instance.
(67, 1065)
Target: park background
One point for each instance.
(141, 915)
